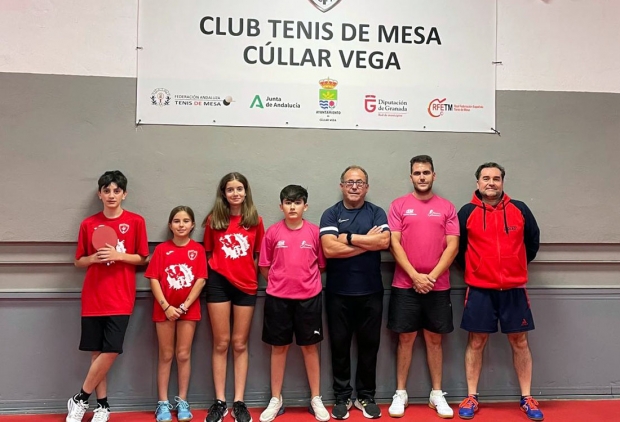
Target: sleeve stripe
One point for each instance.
(330, 229)
(384, 226)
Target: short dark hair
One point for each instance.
(490, 164)
(294, 193)
(112, 176)
(426, 159)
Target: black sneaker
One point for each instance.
(217, 411)
(240, 412)
(369, 408)
(341, 409)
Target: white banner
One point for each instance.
(336, 64)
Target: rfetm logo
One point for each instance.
(437, 107)
(324, 5)
(370, 103)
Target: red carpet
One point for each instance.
(558, 411)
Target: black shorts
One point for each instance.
(283, 317)
(484, 307)
(219, 290)
(410, 311)
(104, 334)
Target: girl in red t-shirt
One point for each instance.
(177, 272)
(233, 235)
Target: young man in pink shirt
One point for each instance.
(291, 260)
(425, 240)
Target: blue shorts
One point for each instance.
(484, 307)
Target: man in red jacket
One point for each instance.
(499, 237)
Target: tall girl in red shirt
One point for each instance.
(233, 235)
(177, 272)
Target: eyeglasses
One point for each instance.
(357, 183)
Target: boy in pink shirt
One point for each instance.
(291, 260)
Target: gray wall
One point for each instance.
(59, 133)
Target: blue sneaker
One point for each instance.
(468, 407)
(530, 407)
(183, 413)
(162, 414)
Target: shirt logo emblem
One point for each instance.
(410, 211)
(169, 252)
(432, 213)
(123, 228)
(235, 245)
(305, 245)
(179, 276)
(340, 220)
(192, 254)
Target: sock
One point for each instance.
(401, 391)
(437, 392)
(103, 403)
(82, 395)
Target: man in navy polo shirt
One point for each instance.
(353, 232)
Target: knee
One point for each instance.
(433, 341)
(221, 345)
(240, 345)
(406, 339)
(477, 341)
(183, 355)
(165, 356)
(518, 341)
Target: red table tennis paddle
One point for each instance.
(103, 236)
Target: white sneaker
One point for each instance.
(101, 414)
(399, 402)
(318, 409)
(438, 402)
(273, 409)
(76, 410)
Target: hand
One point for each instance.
(423, 283)
(108, 254)
(375, 230)
(173, 313)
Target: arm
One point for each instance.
(374, 240)
(334, 247)
(463, 215)
(109, 254)
(86, 261)
(447, 257)
(194, 293)
(264, 271)
(171, 312)
(531, 233)
(421, 283)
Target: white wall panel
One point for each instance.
(545, 45)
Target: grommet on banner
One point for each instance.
(497, 63)
(139, 48)
(496, 131)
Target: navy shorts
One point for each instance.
(283, 317)
(484, 307)
(410, 311)
(220, 290)
(105, 334)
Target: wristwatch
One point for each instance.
(349, 236)
(183, 308)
